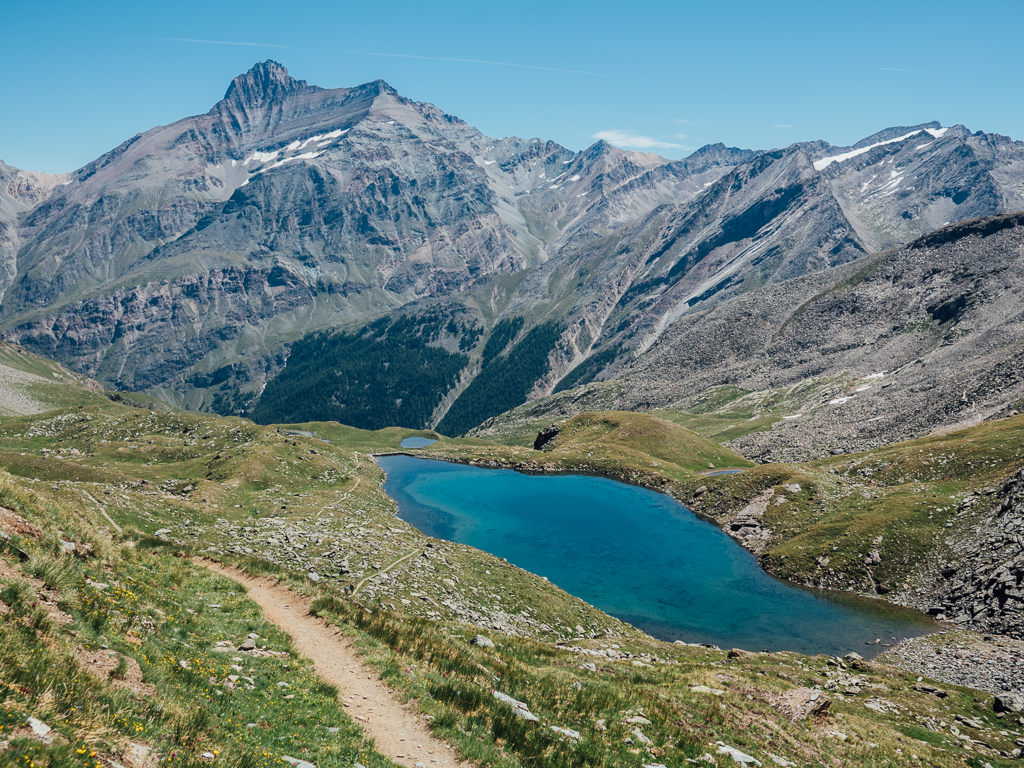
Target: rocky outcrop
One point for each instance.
(980, 582)
(545, 436)
(746, 526)
(132, 337)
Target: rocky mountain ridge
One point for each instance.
(890, 346)
(188, 261)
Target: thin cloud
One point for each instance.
(623, 139)
(480, 61)
(221, 42)
(915, 71)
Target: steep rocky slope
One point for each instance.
(890, 346)
(20, 191)
(976, 575)
(777, 216)
(188, 260)
(199, 248)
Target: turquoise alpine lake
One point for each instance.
(640, 556)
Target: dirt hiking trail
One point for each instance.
(398, 732)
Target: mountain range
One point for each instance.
(304, 253)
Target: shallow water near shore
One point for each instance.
(638, 555)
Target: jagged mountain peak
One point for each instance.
(266, 82)
(377, 87)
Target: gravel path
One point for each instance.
(399, 732)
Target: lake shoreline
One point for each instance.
(650, 481)
(653, 482)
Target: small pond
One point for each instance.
(638, 555)
(417, 442)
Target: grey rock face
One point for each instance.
(545, 436)
(891, 329)
(1010, 702)
(20, 191)
(350, 201)
(978, 581)
(885, 348)
(185, 261)
(769, 219)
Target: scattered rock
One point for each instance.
(40, 729)
(482, 641)
(705, 689)
(925, 688)
(247, 645)
(801, 703)
(740, 757)
(567, 732)
(978, 725)
(519, 708)
(1008, 702)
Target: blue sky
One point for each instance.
(80, 78)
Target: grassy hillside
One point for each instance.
(131, 489)
(32, 384)
(630, 446)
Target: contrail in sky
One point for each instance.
(480, 61)
(221, 42)
(915, 71)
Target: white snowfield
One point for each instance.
(825, 162)
(322, 140)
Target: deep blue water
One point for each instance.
(417, 442)
(638, 555)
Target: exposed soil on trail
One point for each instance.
(399, 732)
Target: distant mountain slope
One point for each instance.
(31, 384)
(187, 261)
(891, 346)
(196, 250)
(768, 220)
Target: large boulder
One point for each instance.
(545, 436)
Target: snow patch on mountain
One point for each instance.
(825, 162)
